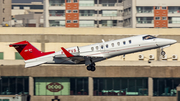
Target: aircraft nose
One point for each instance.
(172, 41)
(164, 42)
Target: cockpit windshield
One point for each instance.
(148, 37)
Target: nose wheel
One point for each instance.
(163, 53)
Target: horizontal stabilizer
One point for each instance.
(32, 64)
(67, 53)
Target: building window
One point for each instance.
(164, 18)
(68, 1)
(75, 1)
(164, 7)
(60, 86)
(3, 19)
(1, 55)
(165, 86)
(157, 7)
(3, 1)
(68, 11)
(157, 18)
(14, 85)
(75, 11)
(75, 21)
(18, 56)
(68, 21)
(3, 10)
(120, 86)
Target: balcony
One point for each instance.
(108, 4)
(174, 13)
(56, 25)
(57, 14)
(86, 14)
(109, 15)
(86, 25)
(111, 25)
(86, 4)
(56, 4)
(111, 6)
(172, 23)
(145, 23)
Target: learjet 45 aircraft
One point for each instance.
(90, 54)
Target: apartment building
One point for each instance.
(5, 10)
(112, 13)
(83, 13)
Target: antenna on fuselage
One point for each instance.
(103, 40)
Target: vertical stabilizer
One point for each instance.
(28, 51)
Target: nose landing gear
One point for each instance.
(163, 53)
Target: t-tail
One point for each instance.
(29, 53)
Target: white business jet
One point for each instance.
(90, 54)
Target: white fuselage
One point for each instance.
(104, 50)
(114, 48)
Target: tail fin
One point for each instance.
(28, 51)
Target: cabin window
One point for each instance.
(101, 46)
(92, 48)
(118, 43)
(130, 41)
(96, 47)
(106, 45)
(112, 44)
(124, 42)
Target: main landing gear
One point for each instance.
(91, 67)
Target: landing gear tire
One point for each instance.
(89, 68)
(163, 53)
(93, 68)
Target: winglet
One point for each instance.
(67, 53)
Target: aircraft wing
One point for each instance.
(74, 58)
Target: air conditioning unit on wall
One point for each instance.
(164, 57)
(141, 57)
(174, 57)
(151, 57)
